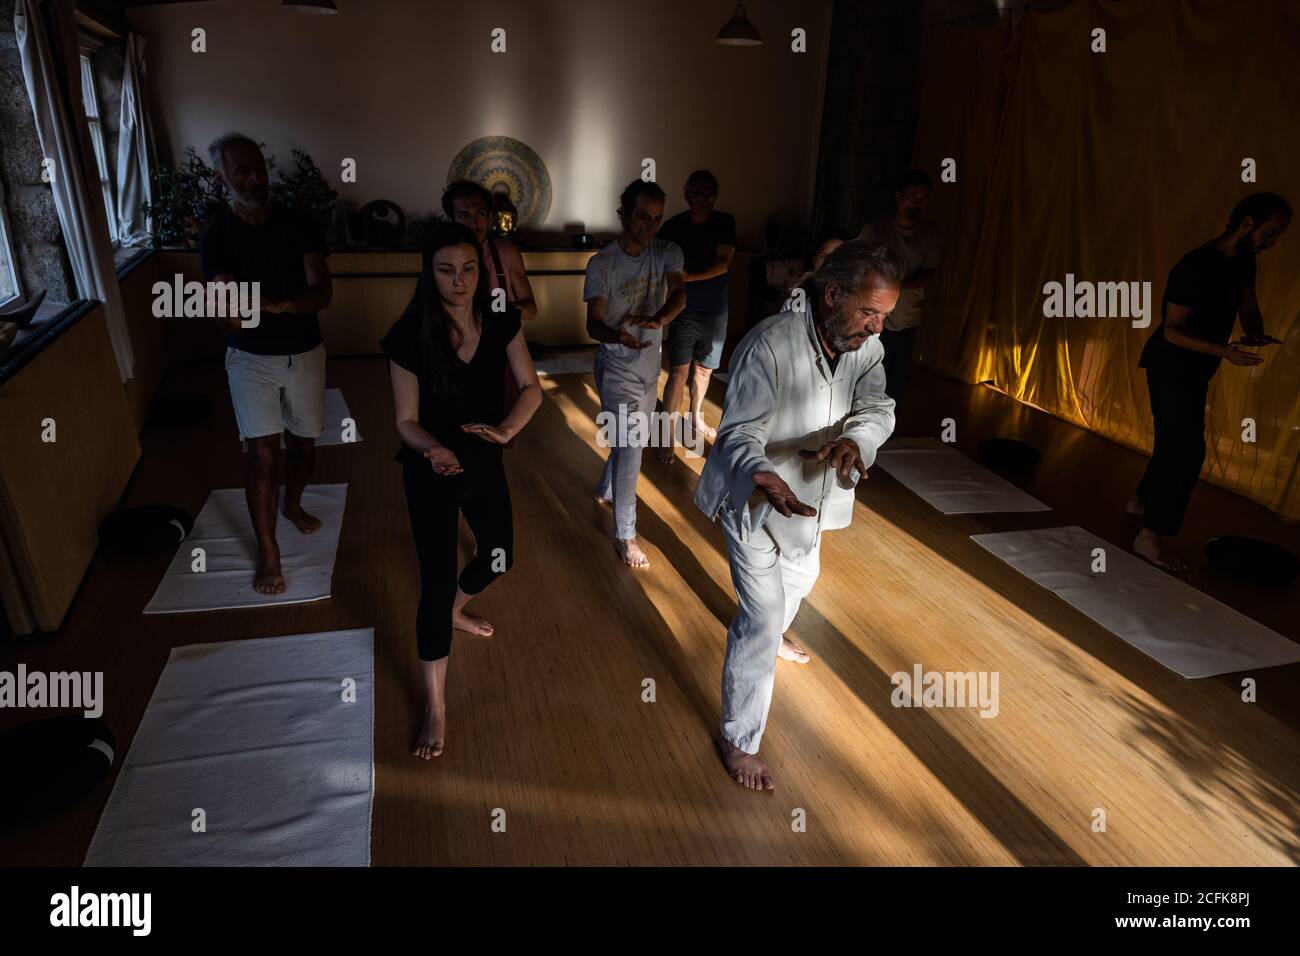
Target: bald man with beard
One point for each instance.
(805, 413)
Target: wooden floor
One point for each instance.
(547, 720)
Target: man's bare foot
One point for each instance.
(432, 733)
(793, 651)
(666, 454)
(602, 500)
(473, 625)
(1135, 507)
(748, 770)
(304, 522)
(1155, 549)
(630, 553)
(701, 427)
(269, 579)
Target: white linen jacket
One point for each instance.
(783, 397)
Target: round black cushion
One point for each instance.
(1250, 559)
(50, 762)
(145, 529)
(183, 408)
(1009, 454)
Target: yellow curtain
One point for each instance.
(1111, 166)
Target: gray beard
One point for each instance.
(835, 329)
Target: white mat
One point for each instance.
(1185, 630)
(566, 363)
(336, 409)
(949, 481)
(225, 532)
(257, 735)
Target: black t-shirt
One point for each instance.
(271, 254)
(1211, 285)
(699, 242)
(478, 396)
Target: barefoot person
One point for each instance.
(276, 367)
(447, 357)
(633, 289)
(1204, 294)
(695, 339)
(805, 412)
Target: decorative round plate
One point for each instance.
(500, 163)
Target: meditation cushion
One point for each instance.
(1008, 454)
(145, 529)
(1250, 559)
(183, 408)
(49, 763)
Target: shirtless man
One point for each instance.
(468, 202)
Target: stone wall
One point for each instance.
(29, 204)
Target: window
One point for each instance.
(9, 289)
(91, 102)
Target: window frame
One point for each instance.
(7, 250)
(89, 99)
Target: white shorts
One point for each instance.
(274, 393)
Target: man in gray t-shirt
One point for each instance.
(919, 242)
(634, 287)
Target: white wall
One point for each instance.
(592, 85)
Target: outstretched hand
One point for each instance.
(1239, 356)
(841, 454)
(781, 497)
(1254, 341)
(490, 433)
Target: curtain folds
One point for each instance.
(135, 149)
(1110, 167)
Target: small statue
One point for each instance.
(505, 216)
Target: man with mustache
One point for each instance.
(918, 241)
(276, 367)
(469, 203)
(805, 412)
(1204, 294)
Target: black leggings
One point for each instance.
(1178, 406)
(435, 503)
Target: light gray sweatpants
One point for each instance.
(623, 391)
(769, 589)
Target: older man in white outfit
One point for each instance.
(805, 413)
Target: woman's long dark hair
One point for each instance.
(438, 336)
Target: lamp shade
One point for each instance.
(738, 31)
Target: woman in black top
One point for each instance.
(448, 354)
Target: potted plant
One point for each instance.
(305, 188)
(187, 198)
